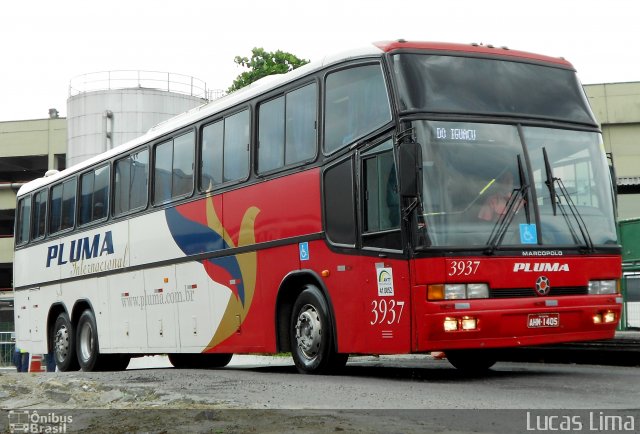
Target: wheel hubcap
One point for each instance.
(86, 341)
(309, 331)
(62, 344)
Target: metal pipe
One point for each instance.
(11, 185)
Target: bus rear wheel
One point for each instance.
(471, 361)
(87, 345)
(64, 344)
(312, 340)
(200, 361)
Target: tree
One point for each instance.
(263, 63)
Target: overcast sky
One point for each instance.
(44, 44)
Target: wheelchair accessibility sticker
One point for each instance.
(304, 251)
(528, 233)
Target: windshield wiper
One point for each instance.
(550, 182)
(555, 203)
(576, 215)
(512, 206)
(500, 228)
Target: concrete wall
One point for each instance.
(34, 137)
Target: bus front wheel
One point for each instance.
(64, 344)
(312, 340)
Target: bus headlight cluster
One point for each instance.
(457, 291)
(603, 287)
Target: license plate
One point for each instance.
(538, 320)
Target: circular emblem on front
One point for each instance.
(542, 286)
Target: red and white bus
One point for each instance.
(406, 197)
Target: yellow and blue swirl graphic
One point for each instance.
(197, 229)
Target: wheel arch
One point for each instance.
(289, 290)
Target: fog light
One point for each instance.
(469, 323)
(597, 319)
(609, 317)
(450, 324)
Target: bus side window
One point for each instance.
(23, 220)
(131, 182)
(356, 104)
(173, 168)
(287, 129)
(211, 156)
(381, 207)
(39, 215)
(63, 206)
(235, 165)
(339, 203)
(94, 195)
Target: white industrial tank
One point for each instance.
(107, 109)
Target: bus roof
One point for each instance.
(265, 84)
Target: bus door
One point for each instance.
(387, 296)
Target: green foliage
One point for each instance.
(263, 63)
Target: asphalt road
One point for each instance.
(386, 394)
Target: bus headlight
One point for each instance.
(477, 290)
(455, 291)
(598, 287)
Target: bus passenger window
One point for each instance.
(301, 124)
(173, 168)
(63, 206)
(271, 135)
(23, 220)
(211, 156)
(287, 129)
(236, 147)
(39, 215)
(130, 184)
(94, 195)
(356, 104)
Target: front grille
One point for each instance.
(558, 291)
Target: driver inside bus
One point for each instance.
(495, 205)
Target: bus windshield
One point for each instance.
(481, 179)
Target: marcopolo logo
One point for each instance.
(539, 267)
(82, 248)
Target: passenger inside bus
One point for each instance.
(496, 203)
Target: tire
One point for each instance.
(87, 346)
(311, 334)
(63, 344)
(200, 361)
(471, 361)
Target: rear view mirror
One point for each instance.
(410, 169)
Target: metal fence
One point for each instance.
(7, 345)
(131, 79)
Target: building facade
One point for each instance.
(617, 108)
